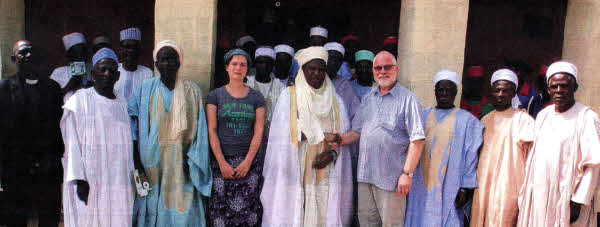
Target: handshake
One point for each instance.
(334, 140)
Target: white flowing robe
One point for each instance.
(561, 167)
(98, 150)
(283, 194)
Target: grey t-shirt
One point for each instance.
(235, 118)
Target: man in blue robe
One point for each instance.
(169, 125)
(447, 173)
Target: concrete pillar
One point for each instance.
(581, 47)
(192, 24)
(12, 28)
(431, 37)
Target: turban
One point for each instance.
(237, 51)
(314, 105)
(305, 55)
(561, 67)
(73, 39)
(167, 43)
(320, 31)
(104, 53)
(131, 33)
(475, 72)
(446, 74)
(265, 51)
(244, 40)
(335, 46)
(363, 55)
(505, 74)
(284, 49)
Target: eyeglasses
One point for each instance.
(379, 68)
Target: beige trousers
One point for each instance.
(378, 207)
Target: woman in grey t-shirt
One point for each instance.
(236, 116)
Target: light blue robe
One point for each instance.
(151, 210)
(436, 207)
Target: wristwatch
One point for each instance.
(409, 175)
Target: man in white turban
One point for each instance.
(318, 36)
(307, 182)
(444, 181)
(170, 140)
(507, 139)
(562, 168)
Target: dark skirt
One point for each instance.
(236, 202)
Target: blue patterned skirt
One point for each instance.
(236, 202)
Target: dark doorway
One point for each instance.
(46, 21)
(273, 22)
(528, 30)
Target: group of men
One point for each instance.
(341, 148)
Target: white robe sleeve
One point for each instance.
(589, 146)
(74, 166)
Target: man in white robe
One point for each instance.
(561, 174)
(307, 183)
(98, 158)
(132, 74)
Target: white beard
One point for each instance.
(386, 83)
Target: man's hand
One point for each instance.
(83, 190)
(463, 197)
(334, 140)
(242, 169)
(226, 171)
(404, 184)
(323, 159)
(575, 209)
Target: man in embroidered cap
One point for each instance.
(562, 168)
(98, 160)
(265, 82)
(307, 182)
(364, 72)
(444, 181)
(390, 44)
(101, 41)
(31, 145)
(389, 126)
(318, 36)
(132, 74)
(471, 99)
(77, 74)
(507, 139)
(343, 69)
(168, 117)
(342, 86)
(286, 67)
